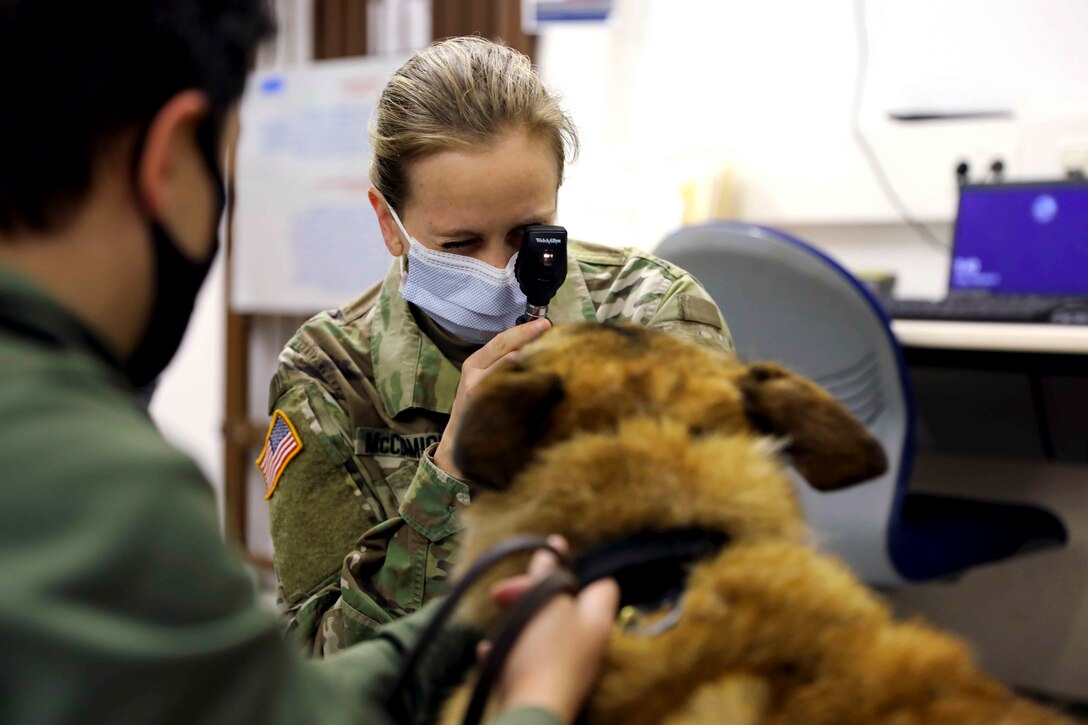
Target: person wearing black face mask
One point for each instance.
(118, 600)
(178, 280)
(179, 274)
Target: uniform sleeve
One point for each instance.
(687, 311)
(441, 670)
(318, 508)
(652, 292)
(396, 567)
(349, 556)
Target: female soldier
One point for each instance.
(468, 148)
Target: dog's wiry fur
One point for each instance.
(597, 433)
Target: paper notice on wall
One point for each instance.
(305, 235)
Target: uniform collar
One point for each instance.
(26, 310)
(409, 369)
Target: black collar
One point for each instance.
(650, 568)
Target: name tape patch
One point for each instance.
(384, 442)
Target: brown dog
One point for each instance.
(599, 433)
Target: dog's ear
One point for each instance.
(508, 416)
(829, 447)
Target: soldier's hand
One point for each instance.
(475, 369)
(559, 654)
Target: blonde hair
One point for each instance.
(460, 92)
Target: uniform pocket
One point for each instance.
(362, 616)
(399, 481)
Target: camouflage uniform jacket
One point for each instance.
(369, 394)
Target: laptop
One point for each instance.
(1019, 254)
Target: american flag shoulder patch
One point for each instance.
(280, 446)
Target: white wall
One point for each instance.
(668, 91)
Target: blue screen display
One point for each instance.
(1030, 239)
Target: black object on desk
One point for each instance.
(993, 308)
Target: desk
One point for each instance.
(993, 336)
(976, 384)
(1034, 348)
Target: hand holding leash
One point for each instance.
(557, 656)
(551, 642)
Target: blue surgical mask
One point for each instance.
(466, 297)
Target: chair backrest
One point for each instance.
(788, 302)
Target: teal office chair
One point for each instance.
(786, 301)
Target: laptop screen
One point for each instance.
(1022, 239)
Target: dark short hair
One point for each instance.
(77, 74)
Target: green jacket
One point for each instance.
(119, 602)
(363, 524)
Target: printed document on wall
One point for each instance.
(305, 235)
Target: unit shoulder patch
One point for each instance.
(280, 445)
(698, 309)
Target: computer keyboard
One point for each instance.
(991, 309)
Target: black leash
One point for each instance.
(481, 566)
(643, 565)
(561, 581)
